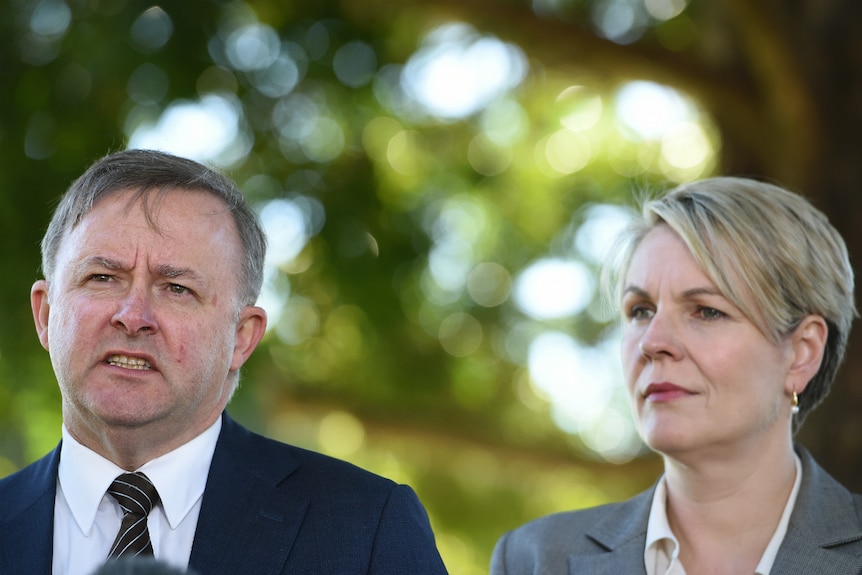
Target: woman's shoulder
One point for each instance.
(571, 524)
(570, 521)
(546, 544)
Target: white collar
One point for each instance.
(659, 536)
(179, 476)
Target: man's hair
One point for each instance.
(149, 175)
(770, 252)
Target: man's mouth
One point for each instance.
(128, 362)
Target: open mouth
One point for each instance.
(128, 362)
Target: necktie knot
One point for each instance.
(137, 496)
(135, 493)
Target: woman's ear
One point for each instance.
(807, 343)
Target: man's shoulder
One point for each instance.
(28, 486)
(303, 465)
(323, 466)
(41, 470)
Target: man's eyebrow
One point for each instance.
(172, 272)
(163, 270)
(100, 261)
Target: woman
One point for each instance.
(737, 299)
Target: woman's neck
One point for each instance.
(724, 508)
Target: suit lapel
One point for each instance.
(241, 528)
(823, 522)
(27, 518)
(628, 559)
(622, 533)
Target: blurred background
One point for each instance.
(440, 182)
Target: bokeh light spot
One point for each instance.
(152, 29)
(340, 434)
(460, 334)
(554, 288)
(354, 64)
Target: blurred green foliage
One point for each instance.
(396, 341)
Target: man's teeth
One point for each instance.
(128, 362)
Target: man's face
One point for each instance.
(143, 325)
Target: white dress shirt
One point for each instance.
(86, 518)
(661, 556)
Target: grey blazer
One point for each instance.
(824, 535)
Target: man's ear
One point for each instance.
(39, 303)
(808, 342)
(249, 331)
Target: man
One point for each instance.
(152, 267)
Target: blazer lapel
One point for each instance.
(27, 518)
(628, 559)
(239, 529)
(824, 524)
(622, 534)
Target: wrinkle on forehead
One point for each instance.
(150, 200)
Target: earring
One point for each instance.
(795, 399)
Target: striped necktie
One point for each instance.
(137, 495)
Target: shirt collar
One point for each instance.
(179, 476)
(768, 558)
(659, 537)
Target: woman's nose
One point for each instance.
(660, 337)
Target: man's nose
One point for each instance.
(135, 314)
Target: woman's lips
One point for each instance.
(663, 392)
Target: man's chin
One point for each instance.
(122, 417)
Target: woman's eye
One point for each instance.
(640, 312)
(710, 313)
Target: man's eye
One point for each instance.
(178, 289)
(100, 277)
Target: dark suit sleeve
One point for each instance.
(404, 542)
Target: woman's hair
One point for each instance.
(150, 174)
(770, 252)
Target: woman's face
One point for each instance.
(700, 375)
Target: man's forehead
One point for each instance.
(153, 199)
(184, 218)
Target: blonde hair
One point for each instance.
(770, 252)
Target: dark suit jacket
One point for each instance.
(268, 509)
(824, 535)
